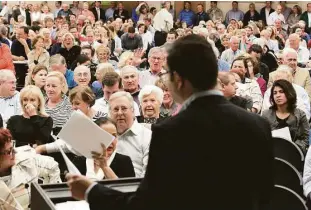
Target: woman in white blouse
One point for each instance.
(145, 35)
(46, 12)
(36, 13)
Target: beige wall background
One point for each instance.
(223, 5)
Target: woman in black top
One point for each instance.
(283, 113)
(34, 126)
(69, 50)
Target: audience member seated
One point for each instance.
(109, 164)
(82, 75)
(9, 97)
(134, 138)
(38, 55)
(227, 85)
(168, 107)
(247, 87)
(233, 52)
(58, 63)
(283, 113)
(131, 40)
(151, 98)
(156, 60)
(37, 77)
(57, 104)
(34, 126)
(130, 79)
(22, 168)
(111, 83)
(286, 73)
(82, 98)
(101, 70)
(69, 50)
(301, 76)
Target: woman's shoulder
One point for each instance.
(299, 113)
(120, 157)
(268, 112)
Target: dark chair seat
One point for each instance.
(287, 175)
(284, 198)
(288, 151)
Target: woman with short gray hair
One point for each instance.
(150, 98)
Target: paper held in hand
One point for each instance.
(83, 135)
(282, 133)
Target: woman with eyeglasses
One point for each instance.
(19, 170)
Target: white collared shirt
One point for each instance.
(309, 18)
(267, 13)
(148, 78)
(135, 143)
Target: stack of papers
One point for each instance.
(83, 135)
(282, 133)
(73, 205)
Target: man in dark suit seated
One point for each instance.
(212, 155)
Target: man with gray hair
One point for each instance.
(82, 75)
(233, 52)
(285, 72)
(303, 52)
(9, 97)
(156, 59)
(58, 63)
(133, 138)
(301, 76)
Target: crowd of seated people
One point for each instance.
(111, 65)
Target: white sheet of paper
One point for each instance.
(83, 135)
(282, 133)
(73, 205)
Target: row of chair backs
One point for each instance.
(285, 198)
(288, 151)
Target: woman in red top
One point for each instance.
(6, 61)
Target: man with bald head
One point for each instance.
(82, 75)
(303, 52)
(301, 76)
(277, 14)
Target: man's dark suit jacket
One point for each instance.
(102, 14)
(213, 155)
(263, 14)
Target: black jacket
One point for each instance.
(124, 15)
(200, 16)
(248, 17)
(226, 172)
(102, 14)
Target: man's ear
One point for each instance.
(177, 80)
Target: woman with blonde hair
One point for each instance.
(46, 12)
(34, 126)
(57, 104)
(69, 50)
(47, 41)
(103, 55)
(131, 58)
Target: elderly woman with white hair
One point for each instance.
(150, 98)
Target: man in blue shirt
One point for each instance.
(186, 15)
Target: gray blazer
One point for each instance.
(297, 123)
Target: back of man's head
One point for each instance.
(192, 57)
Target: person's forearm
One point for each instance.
(109, 173)
(15, 58)
(27, 50)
